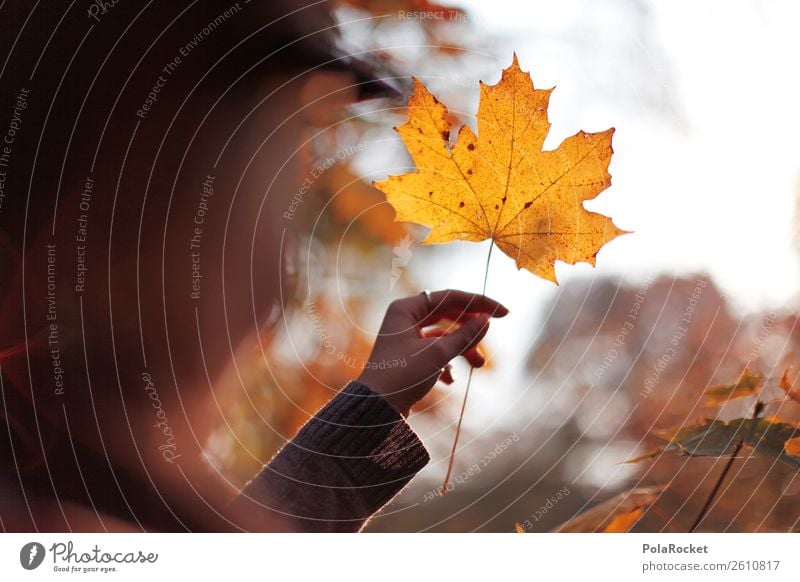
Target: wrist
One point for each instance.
(395, 399)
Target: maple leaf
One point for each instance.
(500, 184)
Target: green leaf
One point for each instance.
(716, 438)
(769, 438)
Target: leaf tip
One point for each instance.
(419, 89)
(648, 455)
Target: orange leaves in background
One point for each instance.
(786, 385)
(624, 521)
(353, 201)
(618, 514)
(792, 447)
(771, 436)
(500, 184)
(747, 385)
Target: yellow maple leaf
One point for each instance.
(500, 184)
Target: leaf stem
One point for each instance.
(443, 490)
(486, 272)
(717, 485)
(759, 406)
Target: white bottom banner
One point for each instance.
(389, 557)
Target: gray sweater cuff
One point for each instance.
(362, 430)
(346, 463)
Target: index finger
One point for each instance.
(450, 301)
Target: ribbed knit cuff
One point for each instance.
(346, 463)
(360, 429)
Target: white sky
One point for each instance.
(709, 181)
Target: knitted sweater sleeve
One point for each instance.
(346, 463)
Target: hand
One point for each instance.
(406, 361)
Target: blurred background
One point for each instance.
(585, 375)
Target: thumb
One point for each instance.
(465, 337)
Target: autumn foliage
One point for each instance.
(682, 420)
(499, 184)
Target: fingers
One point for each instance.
(464, 338)
(450, 302)
(473, 355)
(446, 375)
(406, 316)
